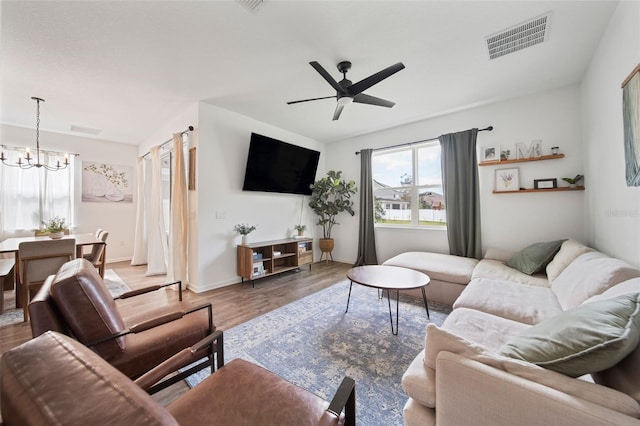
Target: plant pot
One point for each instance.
(300, 233)
(326, 247)
(245, 240)
(56, 235)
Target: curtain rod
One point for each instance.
(188, 129)
(490, 128)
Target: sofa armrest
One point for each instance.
(469, 392)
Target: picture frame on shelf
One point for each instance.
(545, 183)
(507, 180)
(489, 153)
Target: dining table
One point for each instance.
(11, 245)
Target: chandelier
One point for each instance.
(30, 161)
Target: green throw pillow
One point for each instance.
(589, 338)
(535, 257)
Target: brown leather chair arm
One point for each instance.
(344, 399)
(182, 358)
(149, 289)
(155, 322)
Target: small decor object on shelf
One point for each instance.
(244, 230)
(545, 183)
(573, 182)
(505, 154)
(55, 227)
(507, 180)
(534, 150)
(300, 229)
(555, 150)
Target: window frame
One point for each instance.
(414, 190)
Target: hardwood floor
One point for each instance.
(232, 305)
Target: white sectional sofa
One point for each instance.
(556, 348)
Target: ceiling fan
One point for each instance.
(348, 92)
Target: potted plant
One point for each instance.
(55, 227)
(573, 182)
(331, 196)
(244, 230)
(300, 229)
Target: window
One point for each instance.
(30, 197)
(407, 186)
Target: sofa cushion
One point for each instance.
(488, 331)
(419, 382)
(442, 267)
(590, 338)
(535, 257)
(585, 390)
(488, 268)
(517, 302)
(590, 274)
(569, 251)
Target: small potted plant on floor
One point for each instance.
(331, 196)
(244, 230)
(55, 227)
(300, 229)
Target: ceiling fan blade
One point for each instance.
(363, 85)
(338, 111)
(328, 77)
(312, 99)
(372, 100)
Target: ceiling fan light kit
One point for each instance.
(348, 92)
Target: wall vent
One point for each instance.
(81, 129)
(250, 5)
(519, 37)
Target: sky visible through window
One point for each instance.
(390, 168)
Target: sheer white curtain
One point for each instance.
(179, 222)
(30, 197)
(140, 239)
(157, 249)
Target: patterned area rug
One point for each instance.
(11, 315)
(313, 343)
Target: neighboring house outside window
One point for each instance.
(407, 186)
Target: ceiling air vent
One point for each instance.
(519, 36)
(250, 5)
(81, 129)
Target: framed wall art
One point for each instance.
(107, 183)
(489, 153)
(508, 179)
(631, 126)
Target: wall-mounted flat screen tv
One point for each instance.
(277, 166)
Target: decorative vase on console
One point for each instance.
(244, 230)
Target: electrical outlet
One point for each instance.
(220, 214)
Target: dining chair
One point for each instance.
(98, 252)
(38, 260)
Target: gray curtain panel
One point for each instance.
(461, 193)
(366, 239)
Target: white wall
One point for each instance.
(117, 218)
(613, 220)
(510, 221)
(223, 145)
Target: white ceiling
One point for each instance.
(126, 67)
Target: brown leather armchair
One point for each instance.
(55, 380)
(76, 302)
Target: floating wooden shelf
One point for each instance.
(564, 188)
(521, 160)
